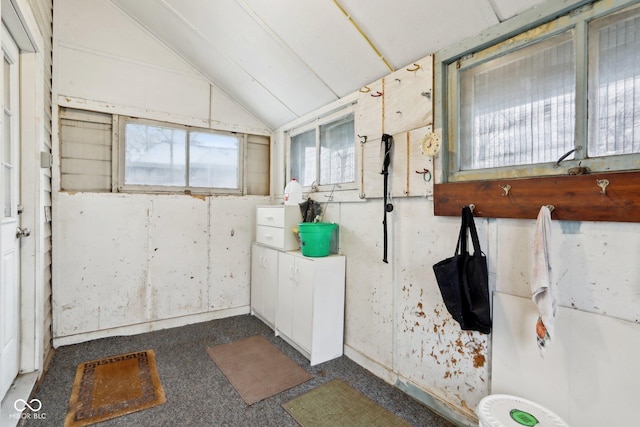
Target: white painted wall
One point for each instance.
(128, 263)
(396, 323)
(123, 68)
(109, 278)
(132, 263)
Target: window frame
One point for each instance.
(575, 197)
(120, 150)
(316, 124)
(532, 26)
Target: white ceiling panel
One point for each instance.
(407, 30)
(223, 70)
(506, 9)
(282, 59)
(254, 50)
(324, 39)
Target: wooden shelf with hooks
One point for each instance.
(611, 197)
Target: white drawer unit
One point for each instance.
(275, 224)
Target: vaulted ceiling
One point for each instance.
(282, 59)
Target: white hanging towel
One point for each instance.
(542, 290)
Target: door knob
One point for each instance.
(23, 232)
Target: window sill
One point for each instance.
(575, 198)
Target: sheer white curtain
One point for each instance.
(519, 108)
(614, 52)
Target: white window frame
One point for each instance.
(316, 124)
(119, 154)
(539, 23)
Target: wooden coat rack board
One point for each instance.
(594, 197)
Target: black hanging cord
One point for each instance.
(385, 151)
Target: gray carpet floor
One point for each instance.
(197, 392)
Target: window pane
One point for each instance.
(337, 152)
(519, 108)
(7, 137)
(303, 157)
(615, 86)
(154, 155)
(213, 160)
(8, 185)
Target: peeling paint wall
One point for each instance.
(128, 263)
(396, 323)
(138, 259)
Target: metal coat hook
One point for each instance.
(365, 89)
(472, 207)
(550, 207)
(377, 94)
(363, 138)
(426, 94)
(416, 67)
(506, 189)
(602, 183)
(425, 172)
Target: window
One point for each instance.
(567, 90)
(150, 156)
(323, 153)
(161, 156)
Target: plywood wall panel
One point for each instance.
(408, 97)
(369, 292)
(232, 230)
(100, 264)
(178, 225)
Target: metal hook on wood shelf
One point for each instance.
(602, 183)
(377, 94)
(472, 207)
(506, 189)
(363, 138)
(550, 207)
(365, 89)
(416, 67)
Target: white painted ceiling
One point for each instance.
(282, 59)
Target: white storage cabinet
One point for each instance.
(264, 283)
(310, 304)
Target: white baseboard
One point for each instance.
(156, 325)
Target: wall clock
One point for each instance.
(430, 144)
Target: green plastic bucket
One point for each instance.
(315, 238)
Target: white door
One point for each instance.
(9, 221)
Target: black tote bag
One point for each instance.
(464, 281)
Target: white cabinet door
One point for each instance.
(264, 274)
(304, 284)
(286, 288)
(310, 309)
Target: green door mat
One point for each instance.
(336, 403)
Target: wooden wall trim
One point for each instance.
(576, 198)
